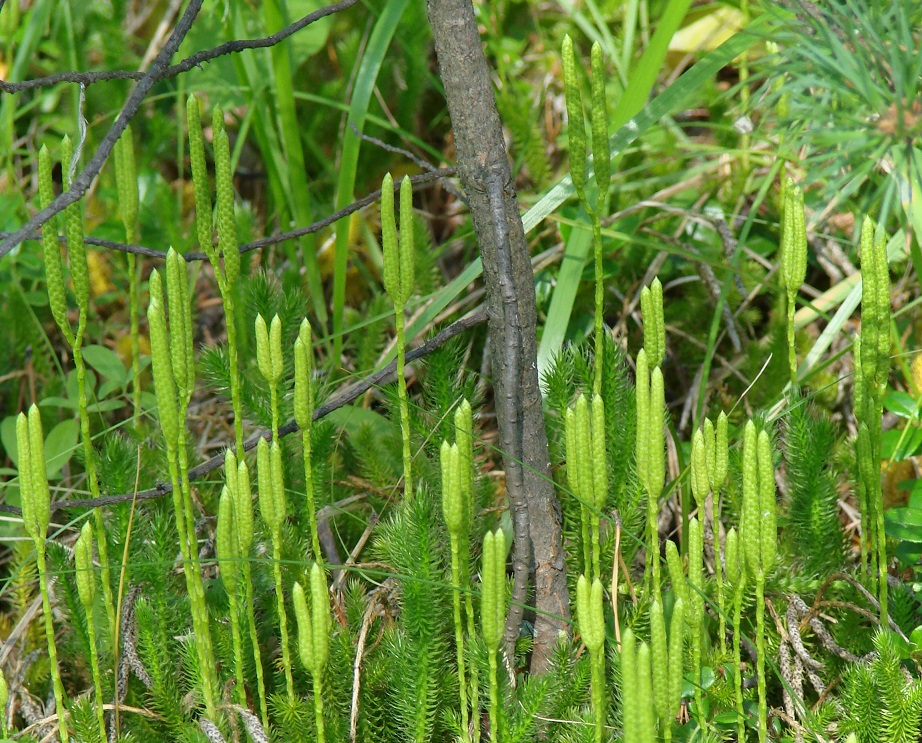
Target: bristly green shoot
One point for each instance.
(36, 513)
(456, 510)
(227, 551)
(736, 579)
(793, 260)
(592, 629)
(493, 615)
(86, 587)
(126, 181)
(273, 508)
(872, 369)
(304, 417)
(398, 282)
(601, 157)
(759, 540)
(314, 637)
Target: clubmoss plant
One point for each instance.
(717, 455)
(601, 159)
(667, 663)
(872, 368)
(456, 511)
(587, 470)
(736, 580)
(36, 513)
(758, 540)
(398, 282)
(654, 328)
(86, 587)
(226, 547)
(273, 507)
(226, 272)
(79, 270)
(592, 629)
(174, 380)
(651, 453)
(126, 182)
(793, 259)
(314, 637)
(237, 476)
(304, 417)
(696, 607)
(4, 698)
(271, 363)
(493, 616)
(464, 438)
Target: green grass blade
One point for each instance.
(568, 281)
(369, 68)
(644, 74)
(297, 192)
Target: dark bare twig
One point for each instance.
(82, 182)
(262, 242)
(159, 70)
(343, 398)
(195, 60)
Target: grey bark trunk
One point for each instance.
(487, 179)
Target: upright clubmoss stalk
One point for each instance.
(872, 369)
(54, 271)
(493, 615)
(4, 698)
(717, 456)
(667, 663)
(226, 547)
(736, 579)
(273, 507)
(36, 513)
(587, 469)
(126, 181)
(631, 701)
(271, 363)
(86, 588)
(592, 629)
(654, 327)
(650, 453)
(464, 438)
(304, 416)
(313, 637)
(174, 381)
(398, 282)
(456, 511)
(793, 260)
(696, 608)
(601, 158)
(759, 536)
(225, 256)
(243, 527)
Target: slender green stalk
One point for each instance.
(736, 579)
(126, 179)
(304, 415)
(592, 629)
(696, 606)
(464, 438)
(758, 536)
(272, 506)
(793, 260)
(86, 588)
(229, 564)
(493, 615)
(36, 513)
(4, 698)
(398, 282)
(456, 511)
(313, 637)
